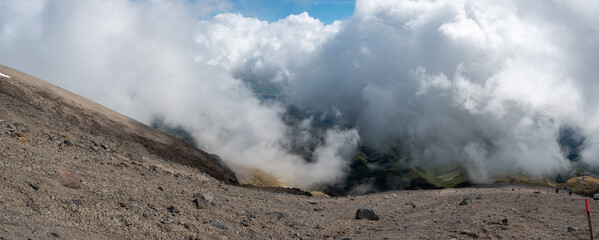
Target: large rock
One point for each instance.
(366, 212)
(203, 200)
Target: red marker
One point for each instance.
(586, 202)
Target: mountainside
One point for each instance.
(72, 169)
(94, 118)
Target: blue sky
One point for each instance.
(272, 10)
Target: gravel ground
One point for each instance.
(64, 179)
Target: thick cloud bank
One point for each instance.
(488, 84)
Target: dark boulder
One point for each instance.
(366, 212)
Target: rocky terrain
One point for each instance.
(72, 169)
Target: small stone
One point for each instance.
(54, 235)
(11, 126)
(114, 219)
(280, 215)
(411, 204)
(596, 196)
(469, 233)
(312, 201)
(33, 185)
(24, 129)
(341, 236)
(77, 202)
(173, 209)
(68, 143)
(218, 225)
(572, 229)
(104, 146)
(68, 180)
(156, 169)
(465, 201)
(203, 200)
(504, 221)
(245, 223)
(160, 188)
(366, 212)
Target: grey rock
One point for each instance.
(156, 169)
(11, 126)
(366, 212)
(596, 196)
(77, 202)
(411, 204)
(68, 143)
(203, 200)
(173, 209)
(245, 222)
(280, 215)
(465, 201)
(33, 185)
(572, 229)
(114, 219)
(218, 225)
(24, 129)
(312, 201)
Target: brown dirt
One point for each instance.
(125, 191)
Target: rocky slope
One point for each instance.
(78, 112)
(72, 169)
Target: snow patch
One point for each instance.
(4, 75)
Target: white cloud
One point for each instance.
(487, 84)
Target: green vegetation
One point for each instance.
(394, 169)
(584, 185)
(177, 132)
